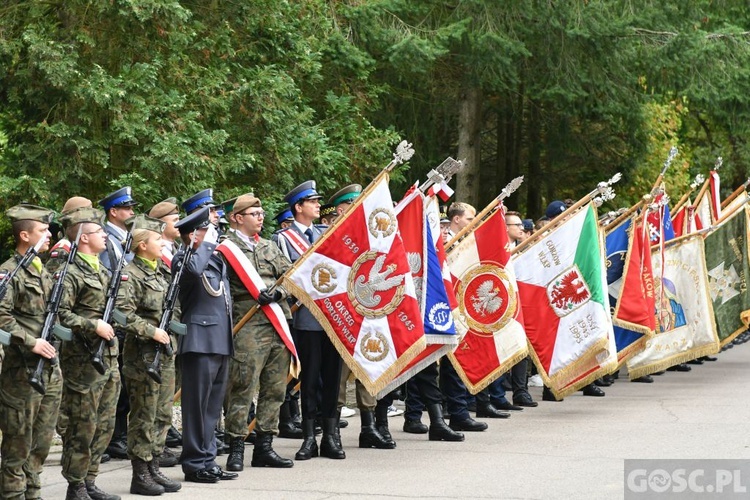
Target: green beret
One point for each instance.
(30, 212)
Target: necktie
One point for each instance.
(309, 234)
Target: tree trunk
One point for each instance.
(535, 181)
(469, 127)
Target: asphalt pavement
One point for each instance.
(573, 449)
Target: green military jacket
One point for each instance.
(22, 311)
(271, 264)
(83, 302)
(141, 299)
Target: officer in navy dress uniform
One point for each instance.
(118, 207)
(205, 349)
(320, 361)
(202, 199)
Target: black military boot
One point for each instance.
(330, 446)
(236, 458)
(169, 485)
(96, 494)
(265, 456)
(118, 445)
(142, 482)
(381, 423)
(167, 458)
(77, 491)
(309, 448)
(439, 431)
(287, 428)
(369, 437)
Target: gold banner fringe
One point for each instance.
(694, 353)
(494, 375)
(630, 351)
(405, 376)
(604, 369)
(732, 336)
(372, 386)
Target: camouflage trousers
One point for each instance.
(260, 363)
(365, 400)
(27, 421)
(90, 401)
(150, 409)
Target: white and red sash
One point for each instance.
(166, 257)
(298, 243)
(254, 284)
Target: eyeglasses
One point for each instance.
(257, 215)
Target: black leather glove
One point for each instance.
(265, 297)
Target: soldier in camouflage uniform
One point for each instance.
(261, 360)
(91, 398)
(141, 299)
(58, 254)
(27, 418)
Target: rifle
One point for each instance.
(111, 313)
(5, 283)
(166, 323)
(51, 327)
(31, 252)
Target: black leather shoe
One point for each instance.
(682, 367)
(174, 438)
(600, 382)
(467, 425)
(610, 379)
(547, 395)
(698, 361)
(105, 458)
(221, 474)
(525, 400)
(592, 390)
(118, 448)
(660, 372)
(415, 427)
(709, 358)
(201, 476)
(489, 411)
(646, 379)
(507, 406)
(343, 424)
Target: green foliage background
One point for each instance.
(171, 96)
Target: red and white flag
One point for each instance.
(357, 283)
(488, 312)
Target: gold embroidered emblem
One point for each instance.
(323, 278)
(374, 291)
(374, 346)
(382, 222)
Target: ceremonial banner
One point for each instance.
(702, 213)
(680, 220)
(660, 224)
(488, 313)
(356, 281)
(631, 289)
(714, 195)
(684, 313)
(418, 222)
(727, 265)
(735, 204)
(561, 284)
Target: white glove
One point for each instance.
(212, 235)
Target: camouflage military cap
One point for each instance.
(244, 202)
(164, 208)
(76, 202)
(143, 221)
(25, 211)
(79, 215)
